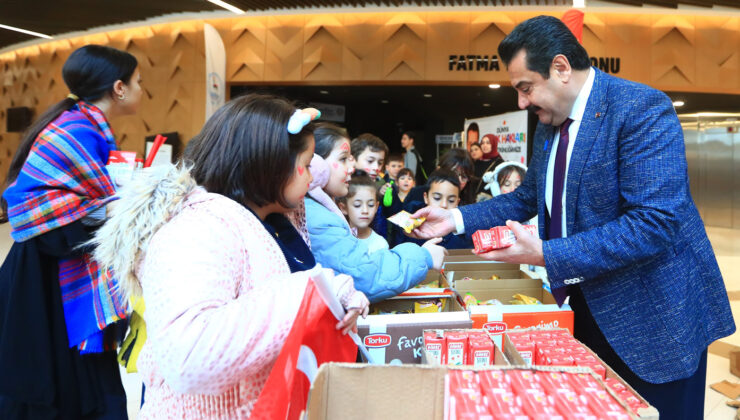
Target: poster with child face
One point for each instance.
(503, 134)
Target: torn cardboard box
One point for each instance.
(398, 338)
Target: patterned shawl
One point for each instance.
(63, 179)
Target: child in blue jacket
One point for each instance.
(381, 274)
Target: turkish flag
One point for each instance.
(313, 340)
(573, 19)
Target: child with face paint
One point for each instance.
(360, 206)
(381, 274)
(221, 269)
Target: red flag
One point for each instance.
(313, 340)
(573, 19)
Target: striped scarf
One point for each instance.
(63, 179)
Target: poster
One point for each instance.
(507, 131)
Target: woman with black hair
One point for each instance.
(60, 313)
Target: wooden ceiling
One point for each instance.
(54, 17)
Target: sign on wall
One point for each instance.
(508, 131)
(215, 70)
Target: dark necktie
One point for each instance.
(555, 226)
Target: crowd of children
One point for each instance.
(219, 246)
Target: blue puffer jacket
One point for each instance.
(379, 275)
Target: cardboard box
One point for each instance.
(454, 276)
(735, 362)
(460, 252)
(516, 360)
(382, 392)
(405, 302)
(476, 264)
(497, 319)
(377, 392)
(398, 338)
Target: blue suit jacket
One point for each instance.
(635, 243)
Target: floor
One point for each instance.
(726, 243)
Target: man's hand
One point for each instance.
(439, 222)
(526, 250)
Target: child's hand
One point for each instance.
(437, 252)
(354, 301)
(383, 188)
(349, 322)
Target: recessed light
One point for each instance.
(677, 104)
(324, 92)
(427, 95)
(13, 28)
(486, 105)
(494, 86)
(227, 6)
(384, 101)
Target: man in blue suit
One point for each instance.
(620, 232)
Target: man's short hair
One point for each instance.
(395, 157)
(444, 175)
(365, 141)
(543, 37)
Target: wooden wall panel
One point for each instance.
(284, 58)
(669, 52)
(447, 34)
(594, 34)
(362, 54)
(487, 30)
(171, 62)
(628, 37)
(322, 51)
(673, 39)
(245, 40)
(404, 50)
(717, 51)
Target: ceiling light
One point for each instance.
(494, 86)
(384, 101)
(676, 104)
(227, 6)
(427, 95)
(324, 92)
(486, 105)
(13, 28)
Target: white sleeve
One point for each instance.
(459, 224)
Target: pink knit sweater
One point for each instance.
(220, 301)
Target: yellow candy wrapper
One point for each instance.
(405, 221)
(520, 299)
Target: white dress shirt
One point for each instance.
(576, 114)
